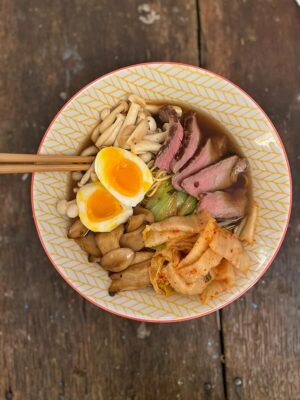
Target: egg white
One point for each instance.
(106, 225)
(147, 179)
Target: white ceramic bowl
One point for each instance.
(169, 82)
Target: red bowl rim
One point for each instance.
(217, 307)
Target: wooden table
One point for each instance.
(55, 345)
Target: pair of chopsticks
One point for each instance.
(26, 163)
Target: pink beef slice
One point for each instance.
(172, 144)
(190, 143)
(225, 205)
(219, 176)
(212, 152)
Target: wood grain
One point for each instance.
(53, 344)
(256, 45)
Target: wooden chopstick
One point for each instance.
(28, 168)
(47, 158)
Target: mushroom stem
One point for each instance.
(152, 124)
(86, 176)
(90, 151)
(157, 137)
(145, 146)
(109, 120)
(76, 176)
(108, 137)
(146, 157)
(133, 98)
(153, 108)
(178, 111)
(124, 135)
(104, 113)
(139, 133)
(130, 119)
(142, 115)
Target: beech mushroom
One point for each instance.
(110, 118)
(143, 114)
(138, 133)
(77, 230)
(178, 111)
(118, 259)
(90, 151)
(94, 177)
(107, 241)
(134, 240)
(133, 98)
(146, 157)
(152, 124)
(88, 244)
(134, 277)
(130, 119)
(104, 113)
(67, 208)
(96, 131)
(86, 176)
(158, 137)
(76, 176)
(124, 136)
(108, 137)
(145, 146)
(153, 108)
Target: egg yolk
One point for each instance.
(123, 175)
(102, 205)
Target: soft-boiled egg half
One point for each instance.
(99, 210)
(123, 174)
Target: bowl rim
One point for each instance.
(217, 308)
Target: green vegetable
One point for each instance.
(165, 207)
(167, 202)
(181, 198)
(188, 206)
(162, 191)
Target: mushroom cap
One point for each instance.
(118, 259)
(77, 230)
(107, 241)
(133, 240)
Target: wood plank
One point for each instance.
(53, 344)
(256, 44)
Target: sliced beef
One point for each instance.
(190, 143)
(173, 141)
(166, 113)
(212, 152)
(216, 177)
(225, 205)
